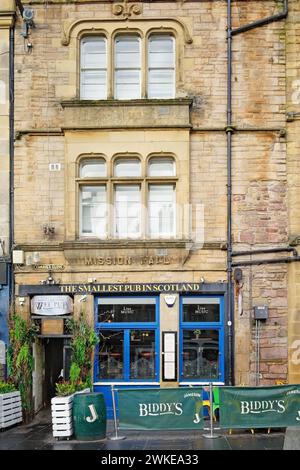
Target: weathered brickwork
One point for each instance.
(265, 161)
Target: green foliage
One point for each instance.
(64, 389)
(83, 342)
(20, 360)
(74, 373)
(6, 387)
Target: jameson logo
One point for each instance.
(264, 406)
(160, 409)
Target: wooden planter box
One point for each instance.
(61, 410)
(62, 417)
(10, 409)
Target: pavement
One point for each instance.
(38, 436)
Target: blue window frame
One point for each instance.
(128, 330)
(201, 339)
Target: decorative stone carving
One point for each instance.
(126, 10)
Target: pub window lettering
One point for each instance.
(127, 78)
(127, 198)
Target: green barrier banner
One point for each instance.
(260, 407)
(167, 408)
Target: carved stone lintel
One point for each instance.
(126, 10)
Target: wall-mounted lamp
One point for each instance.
(50, 281)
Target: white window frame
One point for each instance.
(173, 68)
(137, 67)
(84, 69)
(110, 181)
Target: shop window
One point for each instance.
(196, 310)
(128, 339)
(142, 354)
(202, 339)
(111, 354)
(116, 311)
(200, 354)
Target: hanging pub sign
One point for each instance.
(51, 305)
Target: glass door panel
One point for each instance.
(200, 354)
(142, 354)
(111, 354)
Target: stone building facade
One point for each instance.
(159, 132)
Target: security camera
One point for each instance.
(83, 298)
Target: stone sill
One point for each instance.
(139, 102)
(114, 244)
(121, 244)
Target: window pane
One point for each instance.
(111, 354)
(201, 310)
(127, 167)
(161, 67)
(93, 75)
(93, 92)
(127, 52)
(127, 84)
(200, 354)
(161, 44)
(142, 354)
(161, 167)
(161, 210)
(93, 168)
(142, 310)
(93, 210)
(127, 211)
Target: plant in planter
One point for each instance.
(10, 405)
(83, 342)
(20, 361)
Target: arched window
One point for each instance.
(161, 66)
(127, 67)
(93, 68)
(161, 198)
(93, 199)
(161, 166)
(127, 167)
(93, 168)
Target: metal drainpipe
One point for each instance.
(265, 250)
(11, 163)
(229, 131)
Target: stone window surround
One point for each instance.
(109, 29)
(110, 181)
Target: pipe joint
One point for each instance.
(229, 130)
